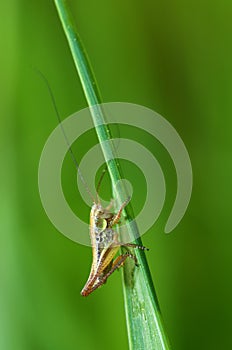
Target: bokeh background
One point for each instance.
(174, 57)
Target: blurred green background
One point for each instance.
(173, 57)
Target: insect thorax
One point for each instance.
(101, 225)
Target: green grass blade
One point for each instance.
(144, 322)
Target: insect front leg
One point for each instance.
(117, 216)
(110, 205)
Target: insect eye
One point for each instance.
(101, 224)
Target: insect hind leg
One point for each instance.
(117, 263)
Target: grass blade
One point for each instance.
(144, 321)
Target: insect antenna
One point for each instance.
(99, 184)
(65, 137)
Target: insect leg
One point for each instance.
(132, 245)
(110, 205)
(117, 216)
(117, 263)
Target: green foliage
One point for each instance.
(173, 57)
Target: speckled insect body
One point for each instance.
(105, 246)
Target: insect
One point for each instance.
(104, 239)
(105, 246)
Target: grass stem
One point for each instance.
(144, 321)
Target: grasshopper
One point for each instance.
(105, 246)
(104, 239)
